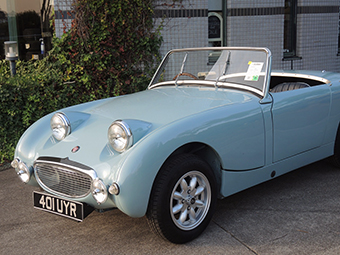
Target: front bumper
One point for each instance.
(70, 180)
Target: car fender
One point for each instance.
(142, 162)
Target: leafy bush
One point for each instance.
(110, 50)
(24, 99)
(111, 47)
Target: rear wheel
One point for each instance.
(183, 199)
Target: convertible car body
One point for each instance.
(213, 122)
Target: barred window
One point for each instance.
(290, 17)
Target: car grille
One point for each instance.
(62, 178)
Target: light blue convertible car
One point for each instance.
(213, 122)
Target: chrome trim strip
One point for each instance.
(184, 82)
(300, 75)
(210, 84)
(89, 171)
(223, 48)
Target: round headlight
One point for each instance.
(120, 136)
(60, 126)
(99, 191)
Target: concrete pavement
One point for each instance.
(298, 213)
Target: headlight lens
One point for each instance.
(120, 136)
(60, 126)
(22, 170)
(99, 191)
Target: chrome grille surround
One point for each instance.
(64, 177)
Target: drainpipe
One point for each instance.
(224, 15)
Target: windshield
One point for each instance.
(243, 68)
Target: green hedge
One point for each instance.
(110, 50)
(35, 91)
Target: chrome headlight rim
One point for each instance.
(99, 191)
(60, 125)
(120, 143)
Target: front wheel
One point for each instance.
(183, 199)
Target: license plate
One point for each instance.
(66, 208)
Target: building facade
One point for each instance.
(29, 24)
(184, 24)
(301, 34)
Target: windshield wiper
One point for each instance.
(225, 68)
(182, 69)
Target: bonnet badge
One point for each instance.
(75, 149)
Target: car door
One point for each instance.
(299, 120)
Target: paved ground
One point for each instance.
(298, 213)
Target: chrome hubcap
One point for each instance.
(190, 200)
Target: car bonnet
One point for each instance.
(166, 104)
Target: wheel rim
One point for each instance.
(190, 200)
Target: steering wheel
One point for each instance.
(185, 74)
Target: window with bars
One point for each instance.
(290, 18)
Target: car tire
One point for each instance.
(335, 159)
(183, 199)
